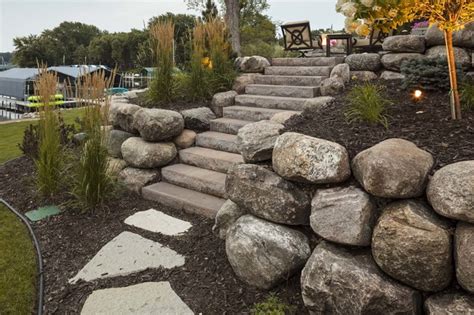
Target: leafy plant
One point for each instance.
(93, 184)
(272, 306)
(49, 161)
(367, 103)
(428, 74)
(466, 92)
(162, 37)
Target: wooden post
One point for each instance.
(455, 99)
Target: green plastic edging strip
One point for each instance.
(42, 213)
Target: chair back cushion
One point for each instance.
(297, 35)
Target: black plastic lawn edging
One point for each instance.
(38, 254)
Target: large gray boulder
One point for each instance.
(186, 139)
(225, 217)
(158, 124)
(115, 138)
(451, 191)
(461, 55)
(267, 195)
(344, 215)
(221, 100)
(332, 86)
(363, 75)
(121, 116)
(198, 119)
(141, 154)
(463, 38)
(252, 64)
(393, 61)
(404, 44)
(255, 141)
(392, 75)
(464, 255)
(394, 168)
(243, 80)
(364, 62)
(342, 71)
(264, 254)
(306, 159)
(340, 282)
(135, 179)
(455, 303)
(413, 245)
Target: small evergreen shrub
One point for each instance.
(466, 92)
(427, 74)
(272, 306)
(367, 104)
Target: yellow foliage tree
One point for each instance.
(450, 16)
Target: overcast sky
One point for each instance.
(24, 17)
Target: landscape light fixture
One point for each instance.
(417, 95)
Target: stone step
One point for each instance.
(282, 90)
(252, 113)
(229, 124)
(300, 71)
(289, 80)
(214, 160)
(195, 178)
(274, 102)
(217, 141)
(307, 62)
(181, 198)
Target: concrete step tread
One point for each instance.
(218, 141)
(210, 159)
(298, 67)
(299, 71)
(228, 125)
(269, 97)
(195, 178)
(311, 61)
(294, 80)
(301, 87)
(184, 199)
(255, 113)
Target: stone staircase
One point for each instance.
(197, 183)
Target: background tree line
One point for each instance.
(78, 43)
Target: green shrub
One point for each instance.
(367, 103)
(162, 37)
(427, 74)
(466, 91)
(272, 306)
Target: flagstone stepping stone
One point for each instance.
(42, 213)
(158, 222)
(125, 254)
(143, 298)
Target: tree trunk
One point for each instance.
(232, 17)
(455, 100)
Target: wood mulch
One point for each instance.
(206, 283)
(427, 123)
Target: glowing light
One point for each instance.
(417, 94)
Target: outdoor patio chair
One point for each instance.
(297, 37)
(372, 43)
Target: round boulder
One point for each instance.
(186, 139)
(391, 75)
(243, 80)
(340, 282)
(404, 44)
(413, 245)
(461, 56)
(225, 217)
(393, 61)
(344, 215)
(253, 64)
(341, 71)
(262, 253)
(463, 38)
(283, 117)
(198, 119)
(306, 159)
(464, 255)
(121, 116)
(364, 62)
(158, 124)
(267, 195)
(363, 75)
(255, 141)
(135, 179)
(332, 86)
(456, 303)
(141, 154)
(115, 138)
(451, 191)
(221, 100)
(394, 168)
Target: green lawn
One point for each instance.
(11, 134)
(17, 266)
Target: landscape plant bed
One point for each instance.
(427, 123)
(206, 283)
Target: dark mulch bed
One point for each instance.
(177, 105)
(206, 282)
(427, 123)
